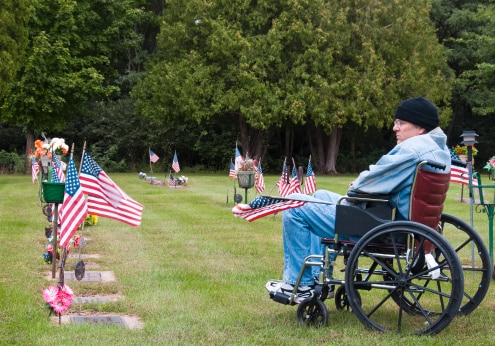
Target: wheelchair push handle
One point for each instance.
(433, 164)
(459, 163)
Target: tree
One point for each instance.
(467, 30)
(286, 63)
(14, 15)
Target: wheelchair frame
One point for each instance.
(402, 266)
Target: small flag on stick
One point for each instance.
(175, 164)
(153, 157)
(74, 209)
(309, 184)
(260, 181)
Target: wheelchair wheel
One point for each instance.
(474, 257)
(341, 299)
(384, 292)
(312, 312)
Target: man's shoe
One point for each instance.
(302, 293)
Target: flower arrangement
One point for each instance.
(490, 167)
(45, 148)
(463, 150)
(90, 220)
(182, 180)
(58, 298)
(249, 165)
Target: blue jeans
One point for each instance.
(302, 230)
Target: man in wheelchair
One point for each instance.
(418, 139)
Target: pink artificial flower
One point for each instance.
(50, 293)
(67, 290)
(62, 302)
(60, 299)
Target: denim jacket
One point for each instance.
(393, 173)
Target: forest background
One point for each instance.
(279, 78)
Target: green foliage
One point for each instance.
(11, 162)
(106, 159)
(14, 15)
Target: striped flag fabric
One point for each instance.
(74, 209)
(175, 164)
(232, 172)
(35, 169)
(262, 206)
(294, 185)
(58, 169)
(309, 184)
(105, 198)
(153, 157)
(171, 181)
(97, 183)
(461, 175)
(283, 181)
(260, 181)
(239, 160)
(129, 211)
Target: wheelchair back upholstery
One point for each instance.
(428, 194)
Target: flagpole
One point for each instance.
(228, 183)
(82, 156)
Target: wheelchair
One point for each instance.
(401, 276)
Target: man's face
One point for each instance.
(404, 130)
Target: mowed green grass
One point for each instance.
(192, 273)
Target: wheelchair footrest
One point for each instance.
(280, 297)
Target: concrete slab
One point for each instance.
(83, 255)
(123, 321)
(99, 298)
(89, 276)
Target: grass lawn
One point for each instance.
(191, 272)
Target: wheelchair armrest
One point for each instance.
(365, 196)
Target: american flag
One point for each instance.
(74, 209)
(105, 198)
(58, 168)
(175, 164)
(153, 157)
(97, 183)
(461, 175)
(171, 181)
(260, 181)
(232, 172)
(283, 181)
(262, 206)
(239, 160)
(294, 184)
(35, 169)
(309, 184)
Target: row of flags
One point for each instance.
(104, 197)
(175, 162)
(285, 185)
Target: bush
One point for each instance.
(11, 163)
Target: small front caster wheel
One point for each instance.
(312, 312)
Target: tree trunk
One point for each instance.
(29, 149)
(244, 132)
(332, 151)
(320, 151)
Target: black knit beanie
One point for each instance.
(418, 111)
